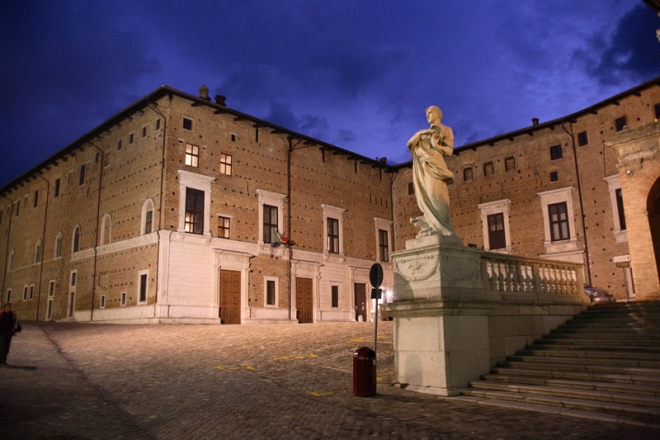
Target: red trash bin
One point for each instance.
(364, 372)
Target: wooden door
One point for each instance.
(360, 290)
(304, 300)
(230, 296)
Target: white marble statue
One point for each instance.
(430, 174)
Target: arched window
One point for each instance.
(58, 245)
(76, 239)
(37, 252)
(106, 230)
(147, 223)
(11, 260)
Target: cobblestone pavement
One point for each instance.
(261, 381)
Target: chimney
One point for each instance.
(204, 93)
(383, 160)
(220, 100)
(535, 121)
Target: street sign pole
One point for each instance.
(376, 278)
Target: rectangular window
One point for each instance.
(82, 175)
(36, 198)
(37, 253)
(49, 310)
(25, 293)
(496, 233)
(383, 245)
(554, 176)
(57, 187)
(223, 227)
(225, 164)
(144, 132)
(270, 292)
(555, 152)
(31, 291)
(657, 111)
(411, 189)
(233, 137)
(270, 223)
(73, 278)
(620, 123)
(123, 299)
(192, 155)
(333, 235)
(558, 213)
(143, 287)
(58, 247)
(8, 295)
(619, 207)
(119, 145)
(194, 211)
(148, 222)
(489, 170)
(510, 163)
(51, 288)
(467, 174)
(187, 124)
(335, 296)
(18, 207)
(582, 138)
(157, 124)
(103, 301)
(256, 134)
(130, 138)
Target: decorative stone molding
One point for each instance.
(417, 268)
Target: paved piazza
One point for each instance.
(261, 381)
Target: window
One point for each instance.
(74, 278)
(619, 207)
(106, 230)
(57, 187)
(123, 299)
(49, 310)
(496, 234)
(620, 123)
(256, 134)
(10, 264)
(148, 222)
(554, 177)
(157, 124)
(194, 221)
(558, 215)
(31, 292)
(25, 293)
(333, 235)
(82, 175)
(489, 170)
(37, 252)
(233, 137)
(142, 294)
(8, 295)
(144, 132)
(555, 152)
(58, 245)
(18, 207)
(76, 239)
(467, 174)
(383, 245)
(147, 216)
(335, 296)
(192, 155)
(510, 163)
(411, 188)
(51, 288)
(582, 138)
(119, 145)
(225, 164)
(270, 292)
(187, 124)
(102, 301)
(223, 227)
(270, 223)
(130, 138)
(36, 199)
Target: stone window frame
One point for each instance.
(620, 123)
(75, 239)
(25, 292)
(8, 295)
(38, 251)
(58, 187)
(102, 302)
(199, 182)
(147, 206)
(276, 281)
(265, 197)
(11, 260)
(140, 274)
(468, 174)
(552, 197)
(57, 251)
(221, 226)
(106, 221)
(334, 296)
(336, 213)
(381, 224)
(123, 299)
(556, 152)
(496, 207)
(489, 169)
(31, 294)
(614, 184)
(51, 288)
(73, 279)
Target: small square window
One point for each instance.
(467, 174)
(225, 164)
(223, 227)
(555, 152)
(187, 124)
(130, 138)
(554, 177)
(582, 138)
(620, 123)
(489, 170)
(192, 155)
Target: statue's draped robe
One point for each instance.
(430, 174)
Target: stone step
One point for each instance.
(626, 398)
(587, 368)
(571, 403)
(579, 375)
(646, 389)
(629, 327)
(586, 346)
(604, 333)
(582, 338)
(571, 360)
(639, 321)
(591, 354)
(598, 343)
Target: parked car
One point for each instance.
(597, 295)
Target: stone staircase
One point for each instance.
(604, 364)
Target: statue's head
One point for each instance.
(433, 115)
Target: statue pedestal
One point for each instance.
(441, 315)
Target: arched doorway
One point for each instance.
(653, 208)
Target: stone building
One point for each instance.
(180, 209)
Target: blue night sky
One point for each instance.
(357, 74)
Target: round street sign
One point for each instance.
(376, 275)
